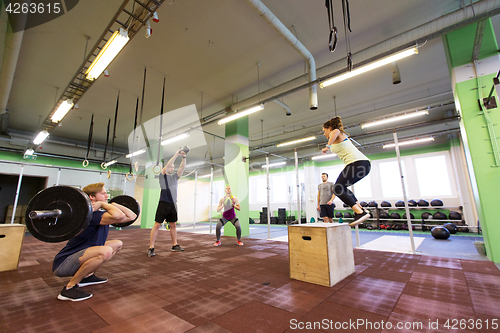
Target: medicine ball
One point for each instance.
(412, 203)
(338, 214)
(455, 215)
(440, 233)
(363, 204)
(395, 216)
(436, 202)
(423, 203)
(347, 215)
(451, 228)
(373, 204)
(463, 228)
(399, 204)
(439, 216)
(426, 215)
(385, 204)
(411, 216)
(369, 227)
(382, 226)
(346, 205)
(383, 215)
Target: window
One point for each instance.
(279, 188)
(218, 192)
(391, 179)
(293, 183)
(363, 188)
(432, 176)
(258, 189)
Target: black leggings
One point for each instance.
(351, 174)
(223, 221)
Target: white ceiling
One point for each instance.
(212, 49)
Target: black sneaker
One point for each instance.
(177, 248)
(359, 218)
(74, 294)
(90, 280)
(151, 252)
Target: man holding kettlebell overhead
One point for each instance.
(167, 207)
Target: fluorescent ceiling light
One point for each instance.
(192, 165)
(242, 114)
(110, 163)
(296, 141)
(40, 137)
(109, 51)
(404, 143)
(175, 138)
(135, 153)
(370, 66)
(397, 118)
(274, 164)
(323, 157)
(29, 151)
(62, 110)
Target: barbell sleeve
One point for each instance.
(42, 214)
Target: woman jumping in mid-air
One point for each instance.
(357, 166)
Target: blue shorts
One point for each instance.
(70, 265)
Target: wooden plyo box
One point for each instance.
(320, 253)
(11, 240)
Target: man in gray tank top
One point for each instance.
(325, 199)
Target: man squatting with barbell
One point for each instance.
(86, 252)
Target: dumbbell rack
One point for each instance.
(422, 222)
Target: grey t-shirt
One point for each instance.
(325, 192)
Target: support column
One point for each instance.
(151, 194)
(236, 171)
(311, 182)
(471, 82)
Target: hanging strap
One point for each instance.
(161, 129)
(114, 125)
(347, 29)
(332, 43)
(106, 147)
(133, 138)
(89, 142)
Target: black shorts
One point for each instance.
(326, 210)
(166, 211)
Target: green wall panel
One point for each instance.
(486, 175)
(462, 43)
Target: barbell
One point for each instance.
(60, 213)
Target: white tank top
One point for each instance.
(346, 151)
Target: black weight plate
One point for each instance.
(76, 213)
(130, 203)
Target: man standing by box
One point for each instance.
(325, 199)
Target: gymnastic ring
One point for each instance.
(109, 173)
(332, 45)
(154, 168)
(85, 163)
(136, 166)
(103, 165)
(132, 176)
